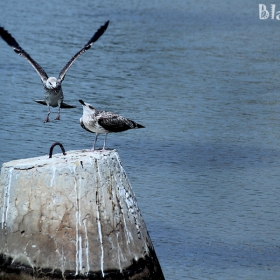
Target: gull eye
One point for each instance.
(90, 107)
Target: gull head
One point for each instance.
(51, 83)
(87, 108)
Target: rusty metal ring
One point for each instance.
(55, 144)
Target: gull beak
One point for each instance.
(82, 102)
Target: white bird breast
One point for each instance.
(93, 125)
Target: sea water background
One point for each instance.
(203, 77)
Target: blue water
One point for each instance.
(203, 77)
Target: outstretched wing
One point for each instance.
(117, 123)
(8, 38)
(94, 38)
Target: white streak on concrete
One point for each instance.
(98, 222)
(100, 238)
(63, 258)
(127, 233)
(119, 194)
(6, 199)
(77, 228)
(79, 198)
(52, 182)
(129, 199)
(79, 250)
(119, 252)
(87, 247)
(53, 176)
(80, 253)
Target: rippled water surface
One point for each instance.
(203, 77)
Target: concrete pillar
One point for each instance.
(72, 216)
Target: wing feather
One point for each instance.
(93, 39)
(116, 123)
(8, 38)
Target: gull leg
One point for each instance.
(58, 113)
(93, 148)
(47, 118)
(103, 149)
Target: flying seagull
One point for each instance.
(104, 122)
(53, 91)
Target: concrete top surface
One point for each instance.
(71, 156)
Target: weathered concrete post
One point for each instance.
(72, 216)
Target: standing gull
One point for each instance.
(53, 91)
(104, 122)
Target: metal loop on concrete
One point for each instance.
(55, 144)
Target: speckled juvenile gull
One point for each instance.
(53, 91)
(104, 122)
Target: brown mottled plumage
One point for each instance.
(104, 122)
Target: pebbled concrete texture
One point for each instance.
(72, 216)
